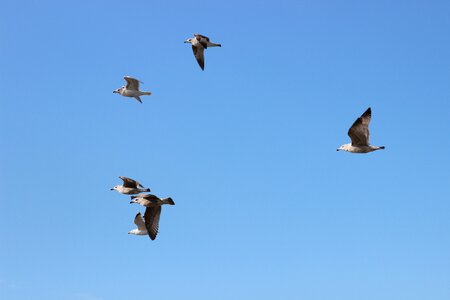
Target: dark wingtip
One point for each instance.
(368, 112)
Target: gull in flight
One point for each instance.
(152, 211)
(140, 223)
(130, 187)
(359, 134)
(199, 44)
(131, 89)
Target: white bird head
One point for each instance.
(115, 188)
(188, 41)
(344, 147)
(119, 90)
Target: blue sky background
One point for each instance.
(265, 206)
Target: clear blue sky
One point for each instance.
(265, 206)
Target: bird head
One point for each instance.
(118, 91)
(188, 41)
(343, 147)
(115, 188)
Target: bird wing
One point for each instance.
(149, 197)
(198, 53)
(359, 132)
(130, 183)
(203, 40)
(151, 217)
(139, 221)
(132, 83)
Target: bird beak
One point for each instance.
(131, 202)
(112, 189)
(114, 92)
(186, 42)
(337, 149)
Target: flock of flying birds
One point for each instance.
(149, 224)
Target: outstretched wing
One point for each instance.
(359, 132)
(132, 83)
(139, 221)
(130, 183)
(198, 53)
(151, 218)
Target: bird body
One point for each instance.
(131, 93)
(149, 200)
(205, 42)
(130, 187)
(359, 149)
(131, 89)
(138, 232)
(360, 135)
(129, 191)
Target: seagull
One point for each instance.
(131, 89)
(140, 223)
(199, 44)
(359, 134)
(152, 211)
(130, 187)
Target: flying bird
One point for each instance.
(131, 89)
(199, 44)
(359, 134)
(140, 223)
(130, 187)
(152, 211)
